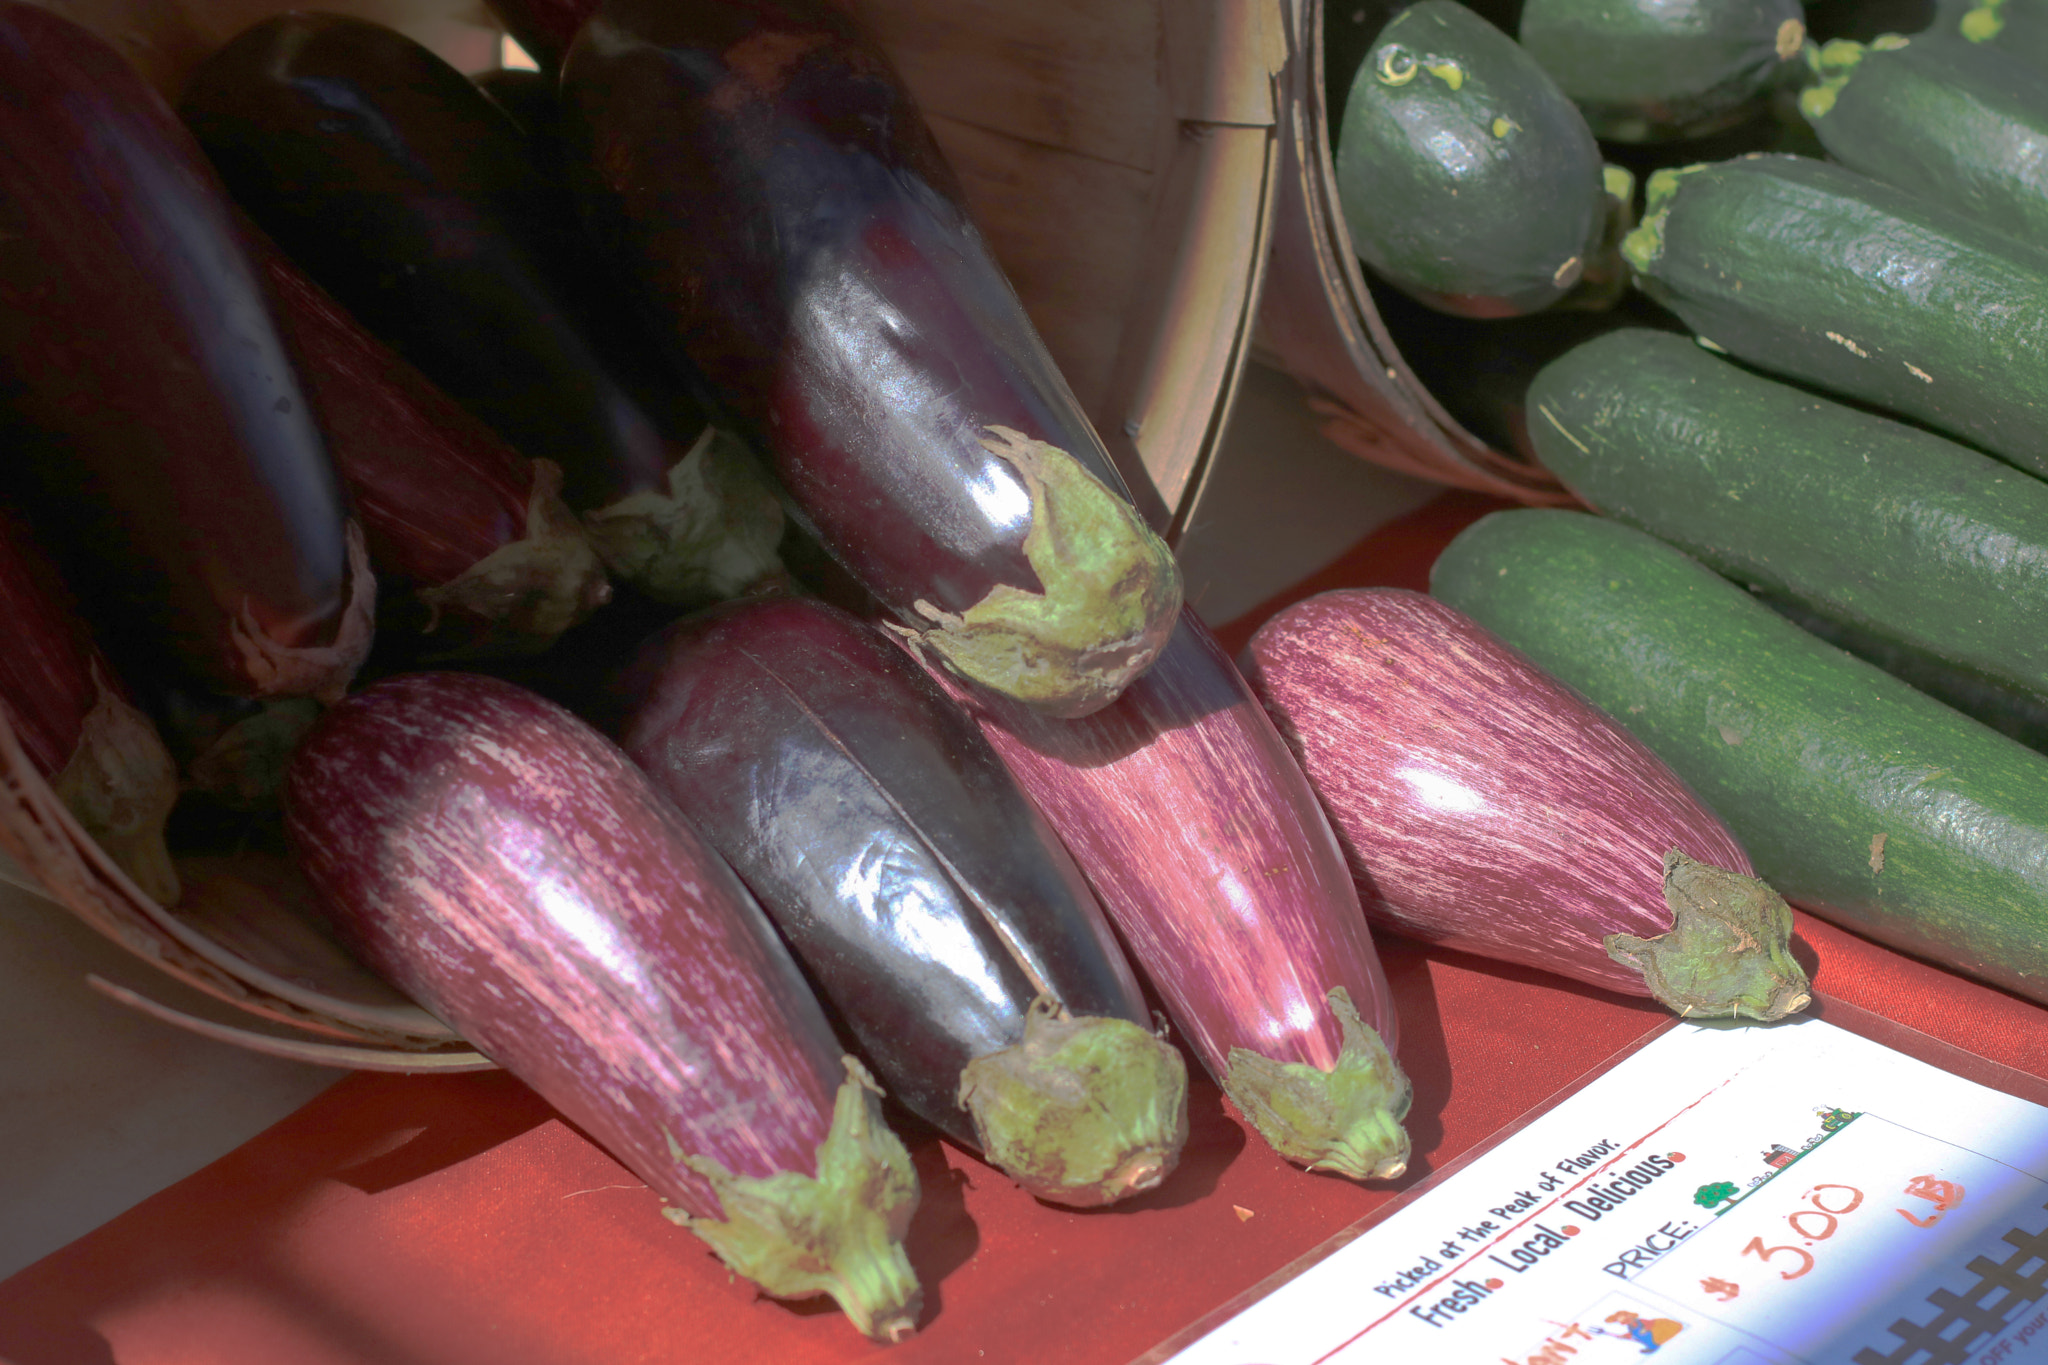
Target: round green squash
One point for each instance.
(1468, 180)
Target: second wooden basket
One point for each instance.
(1317, 319)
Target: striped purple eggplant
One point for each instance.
(940, 917)
(1190, 818)
(796, 235)
(1486, 806)
(74, 720)
(473, 531)
(413, 198)
(163, 448)
(508, 867)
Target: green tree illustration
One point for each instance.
(1706, 1196)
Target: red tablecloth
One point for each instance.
(451, 1220)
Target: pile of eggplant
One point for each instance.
(775, 719)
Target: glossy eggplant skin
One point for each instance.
(1194, 824)
(405, 192)
(163, 447)
(917, 883)
(1486, 806)
(798, 237)
(1167, 800)
(506, 866)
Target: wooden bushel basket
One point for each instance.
(1121, 159)
(1317, 319)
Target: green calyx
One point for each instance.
(120, 784)
(1728, 953)
(840, 1233)
(1347, 1119)
(244, 765)
(534, 588)
(1084, 1111)
(1111, 594)
(712, 535)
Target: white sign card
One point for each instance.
(1791, 1195)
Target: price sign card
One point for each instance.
(1791, 1195)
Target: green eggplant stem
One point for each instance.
(1112, 594)
(1346, 1119)
(838, 1233)
(711, 535)
(1084, 1111)
(120, 783)
(1728, 953)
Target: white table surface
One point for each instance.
(100, 1107)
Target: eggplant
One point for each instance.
(77, 724)
(939, 916)
(472, 529)
(1190, 818)
(405, 192)
(1485, 806)
(165, 452)
(507, 867)
(796, 235)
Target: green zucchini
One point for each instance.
(2011, 711)
(1963, 124)
(1823, 275)
(1868, 520)
(1651, 70)
(1465, 176)
(1480, 371)
(1856, 796)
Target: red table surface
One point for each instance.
(448, 1220)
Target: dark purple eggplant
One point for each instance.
(762, 173)
(940, 917)
(163, 448)
(75, 722)
(405, 192)
(473, 529)
(507, 867)
(1184, 808)
(1486, 806)
(528, 97)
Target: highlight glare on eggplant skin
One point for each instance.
(1485, 806)
(917, 883)
(797, 236)
(511, 870)
(1197, 829)
(140, 360)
